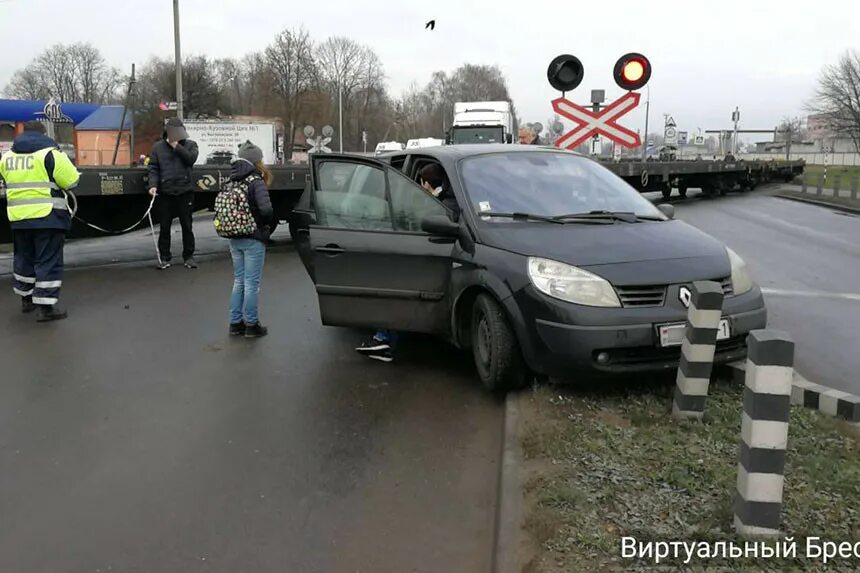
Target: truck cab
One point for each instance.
(482, 122)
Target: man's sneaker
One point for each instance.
(190, 264)
(255, 330)
(163, 265)
(27, 304)
(237, 329)
(49, 312)
(373, 345)
(384, 355)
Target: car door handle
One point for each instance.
(330, 249)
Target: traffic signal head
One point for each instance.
(565, 72)
(632, 71)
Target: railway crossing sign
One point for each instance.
(319, 144)
(603, 122)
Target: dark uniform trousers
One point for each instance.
(38, 265)
(169, 207)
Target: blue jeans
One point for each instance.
(389, 336)
(248, 258)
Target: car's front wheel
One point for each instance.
(497, 354)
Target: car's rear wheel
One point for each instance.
(494, 346)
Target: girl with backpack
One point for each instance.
(244, 214)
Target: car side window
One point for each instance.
(351, 196)
(410, 203)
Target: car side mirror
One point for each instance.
(440, 225)
(667, 209)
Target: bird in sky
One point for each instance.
(431, 24)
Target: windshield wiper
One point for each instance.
(521, 217)
(626, 216)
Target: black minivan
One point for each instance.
(553, 265)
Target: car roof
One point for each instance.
(453, 152)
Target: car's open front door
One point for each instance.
(373, 266)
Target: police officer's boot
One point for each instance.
(27, 304)
(49, 312)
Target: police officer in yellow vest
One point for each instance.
(36, 172)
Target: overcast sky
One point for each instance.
(708, 57)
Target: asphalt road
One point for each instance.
(807, 260)
(137, 436)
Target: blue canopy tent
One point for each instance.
(15, 110)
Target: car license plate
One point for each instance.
(673, 334)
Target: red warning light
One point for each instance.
(632, 71)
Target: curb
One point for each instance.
(509, 501)
(828, 401)
(843, 208)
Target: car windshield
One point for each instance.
(477, 135)
(548, 184)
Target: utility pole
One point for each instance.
(736, 117)
(132, 106)
(178, 56)
(129, 99)
(647, 114)
(340, 114)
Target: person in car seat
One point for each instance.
(433, 179)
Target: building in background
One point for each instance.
(96, 137)
(820, 133)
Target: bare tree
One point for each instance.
(289, 60)
(27, 84)
(790, 130)
(202, 90)
(74, 73)
(838, 97)
(356, 71)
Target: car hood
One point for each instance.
(586, 245)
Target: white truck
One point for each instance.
(483, 122)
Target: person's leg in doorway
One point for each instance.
(185, 211)
(165, 220)
(49, 273)
(237, 296)
(23, 268)
(381, 346)
(255, 258)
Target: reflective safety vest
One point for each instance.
(28, 186)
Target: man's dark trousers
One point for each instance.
(170, 206)
(38, 264)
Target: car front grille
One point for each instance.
(655, 295)
(639, 296)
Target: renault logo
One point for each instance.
(685, 295)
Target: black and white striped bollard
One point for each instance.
(764, 432)
(697, 350)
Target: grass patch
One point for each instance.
(829, 200)
(600, 466)
(845, 172)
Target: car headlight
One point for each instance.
(741, 281)
(571, 284)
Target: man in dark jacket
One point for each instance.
(170, 178)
